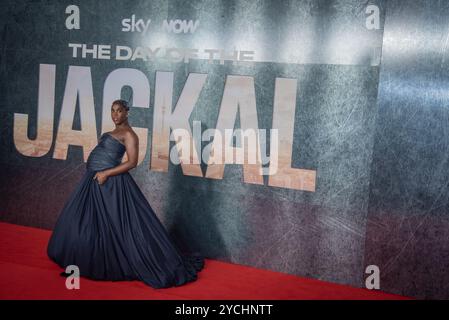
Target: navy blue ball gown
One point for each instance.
(111, 232)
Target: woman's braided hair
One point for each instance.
(122, 103)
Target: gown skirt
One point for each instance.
(110, 232)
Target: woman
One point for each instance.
(108, 229)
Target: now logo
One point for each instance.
(178, 26)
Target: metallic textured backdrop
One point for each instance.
(371, 118)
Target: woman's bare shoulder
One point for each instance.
(131, 135)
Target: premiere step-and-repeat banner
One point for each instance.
(307, 137)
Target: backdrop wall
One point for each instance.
(354, 88)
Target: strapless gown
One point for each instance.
(110, 231)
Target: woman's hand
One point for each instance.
(101, 177)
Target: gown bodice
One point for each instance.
(108, 153)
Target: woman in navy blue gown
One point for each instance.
(108, 229)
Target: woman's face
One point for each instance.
(118, 114)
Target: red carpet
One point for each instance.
(27, 273)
